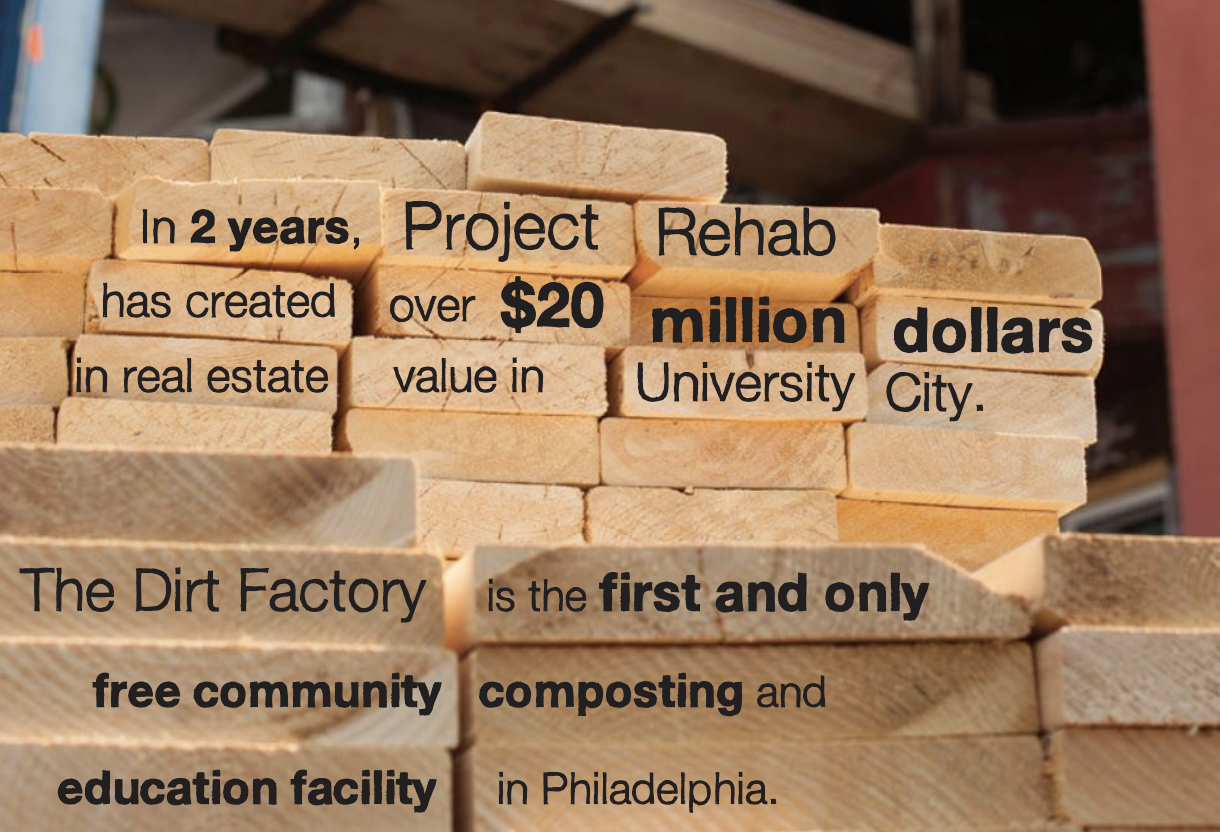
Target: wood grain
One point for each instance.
(33, 371)
(42, 304)
(103, 163)
(456, 516)
(53, 230)
(27, 423)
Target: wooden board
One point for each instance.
(878, 322)
(757, 385)
(1103, 676)
(214, 498)
(482, 447)
(644, 307)
(966, 537)
(192, 427)
(116, 562)
(27, 423)
(40, 768)
(528, 154)
(992, 401)
(392, 163)
(978, 783)
(682, 268)
(113, 285)
(375, 371)
(981, 266)
(936, 466)
(50, 693)
(33, 371)
(253, 199)
(955, 608)
(417, 295)
(684, 453)
(103, 163)
(655, 516)
(235, 362)
(42, 304)
(883, 691)
(51, 230)
(456, 516)
(1112, 580)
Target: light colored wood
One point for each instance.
(966, 537)
(42, 304)
(642, 308)
(456, 516)
(936, 466)
(882, 691)
(169, 357)
(859, 786)
(653, 516)
(482, 447)
(480, 319)
(116, 562)
(53, 230)
(879, 319)
(392, 163)
(1113, 580)
(42, 767)
(820, 279)
(955, 608)
(215, 498)
(1031, 404)
(28, 423)
(757, 385)
(33, 371)
(611, 233)
(49, 693)
(1136, 777)
(375, 371)
(103, 163)
(253, 199)
(683, 453)
(528, 154)
(182, 282)
(192, 427)
(981, 266)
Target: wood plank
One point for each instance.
(880, 319)
(964, 468)
(27, 423)
(833, 786)
(482, 447)
(309, 310)
(392, 163)
(214, 498)
(295, 377)
(765, 386)
(652, 516)
(971, 265)
(49, 692)
(446, 245)
(882, 691)
(1112, 580)
(275, 199)
(103, 163)
(33, 371)
(116, 562)
(52, 230)
(480, 319)
(528, 154)
(685, 453)
(42, 304)
(1137, 777)
(573, 378)
(643, 309)
(456, 516)
(674, 266)
(42, 767)
(192, 427)
(956, 607)
(993, 401)
(966, 537)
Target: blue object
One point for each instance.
(53, 55)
